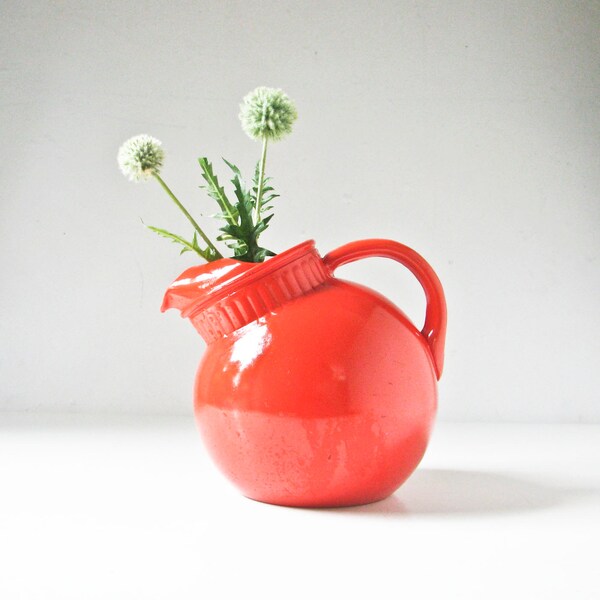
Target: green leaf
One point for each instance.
(187, 246)
(235, 170)
(242, 226)
(216, 191)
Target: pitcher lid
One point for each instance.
(225, 294)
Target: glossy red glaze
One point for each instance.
(313, 391)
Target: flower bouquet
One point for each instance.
(267, 115)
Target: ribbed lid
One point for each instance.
(225, 295)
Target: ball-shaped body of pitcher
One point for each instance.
(328, 400)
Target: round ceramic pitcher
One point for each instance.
(312, 391)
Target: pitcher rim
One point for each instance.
(258, 272)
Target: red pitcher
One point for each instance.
(313, 391)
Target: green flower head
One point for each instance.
(267, 113)
(140, 157)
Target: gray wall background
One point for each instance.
(467, 130)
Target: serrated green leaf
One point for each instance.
(187, 246)
(216, 191)
(242, 226)
(232, 167)
(262, 225)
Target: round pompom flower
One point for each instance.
(267, 113)
(140, 157)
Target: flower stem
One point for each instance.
(187, 214)
(261, 179)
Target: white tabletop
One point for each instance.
(132, 508)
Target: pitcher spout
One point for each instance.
(199, 282)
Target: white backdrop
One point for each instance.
(467, 130)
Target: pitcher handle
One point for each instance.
(434, 329)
